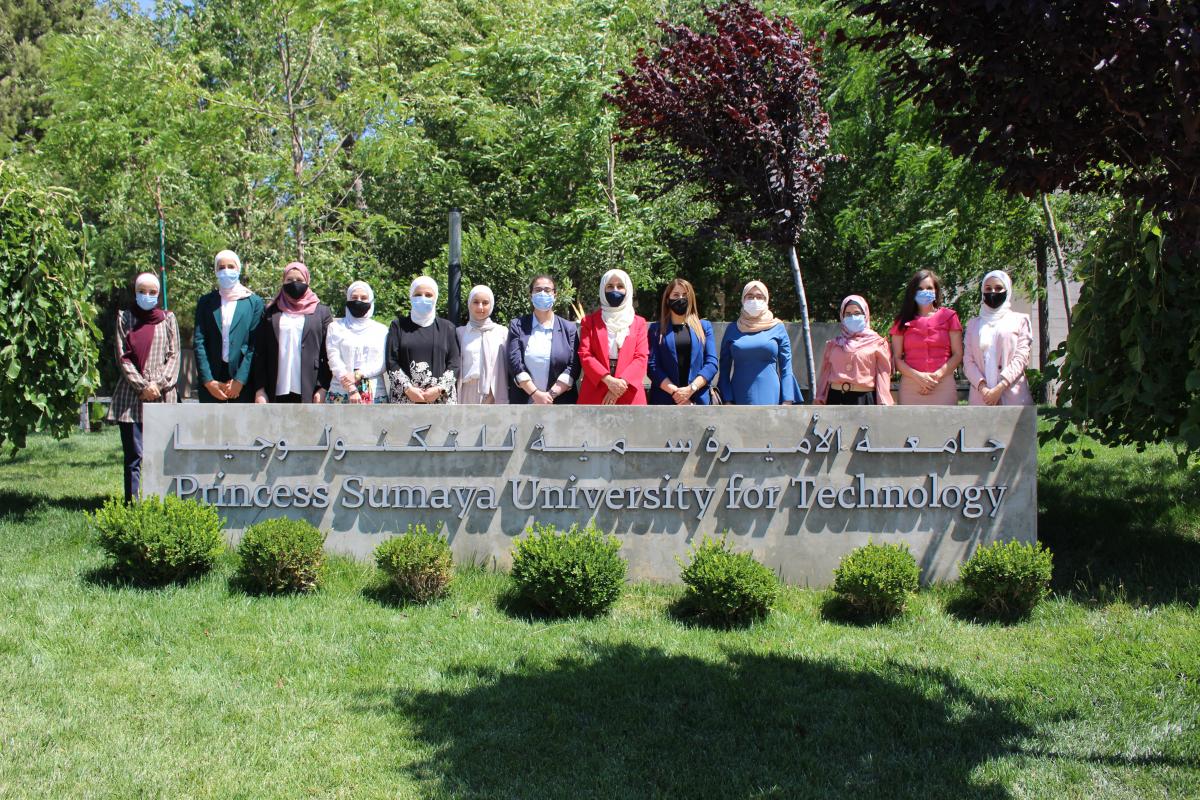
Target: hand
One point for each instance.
(217, 390)
(260, 398)
(683, 395)
(927, 381)
(787, 403)
(432, 394)
(355, 397)
(992, 396)
(319, 396)
(414, 394)
(611, 398)
(233, 389)
(541, 398)
(347, 382)
(150, 393)
(615, 385)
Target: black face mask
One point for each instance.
(614, 298)
(295, 289)
(678, 304)
(995, 299)
(358, 308)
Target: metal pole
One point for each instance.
(455, 278)
(162, 258)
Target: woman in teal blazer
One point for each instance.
(226, 322)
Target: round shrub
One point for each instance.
(1008, 579)
(727, 587)
(876, 580)
(418, 564)
(579, 572)
(281, 555)
(159, 540)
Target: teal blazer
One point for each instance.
(207, 342)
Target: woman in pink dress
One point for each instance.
(856, 369)
(927, 344)
(998, 344)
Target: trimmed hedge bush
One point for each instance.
(1008, 579)
(876, 580)
(281, 555)
(727, 587)
(418, 564)
(579, 572)
(159, 540)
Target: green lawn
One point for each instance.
(200, 691)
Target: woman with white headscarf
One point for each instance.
(481, 346)
(422, 350)
(614, 351)
(997, 347)
(756, 355)
(225, 335)
(355, 346)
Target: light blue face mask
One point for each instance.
(543, 301)
(147, 302)
(925, 297)
(228, 278)
(855, 323)
(422, 305)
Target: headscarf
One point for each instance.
(424, 320)
(481, 345)
(141, 334)
(617, 319)
(990, 328)
(237, 291)
(359, 324)
(488, 323)
(764, 321)
(853, 341)
(307, 303)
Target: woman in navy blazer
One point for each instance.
(543, 351)
(680, 331)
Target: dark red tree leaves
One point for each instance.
(1058, 93)
(742, 104)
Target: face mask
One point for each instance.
(147, 302)
(228, 278)
(614, 298)
(295, 289)
(422, 305)
(754, 307)
(995, 299)
(358, 308)
(855, 323)
(542, 301)
(678, 304)
(925, 297)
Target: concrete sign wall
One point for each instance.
(798, 486)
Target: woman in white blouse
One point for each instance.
(356, 345)
(481, 346)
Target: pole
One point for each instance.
(162, 257)
(1058, 258)
(808, 348)
(455, 278)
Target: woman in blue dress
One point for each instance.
(756, 356)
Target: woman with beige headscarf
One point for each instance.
(756, 355)
(481, 347)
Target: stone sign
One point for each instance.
(798, 486)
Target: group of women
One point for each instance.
(293, 350)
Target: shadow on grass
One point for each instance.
(835, 609)
(385, 593)
(18, 506)
(687, 612)
(966, 608)
(1122, 527)
(626, 721)
(108, 576)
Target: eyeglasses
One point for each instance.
(543, 290)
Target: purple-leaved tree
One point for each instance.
(740, 110)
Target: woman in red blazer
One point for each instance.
(613, 348)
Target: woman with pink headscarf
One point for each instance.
(856, 369)
(291, 360)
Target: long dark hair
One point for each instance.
(691, 317)
(908, 308)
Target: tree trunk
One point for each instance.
(808, 347)
(1058, 258)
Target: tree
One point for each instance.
(47, 337)
(740, 110)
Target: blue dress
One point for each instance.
(751, 366)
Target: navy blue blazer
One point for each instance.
(664, 364)
(564, 356)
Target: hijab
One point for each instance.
(237, 291)
(990, 328)
(488, 324)
(141, 334)
(359, 324)
(764, 321)
(617, 319)
(483, 363)
(424, 320)
(854, 341)
(307, 303)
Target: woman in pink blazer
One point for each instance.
(997, 347)
(613, 348)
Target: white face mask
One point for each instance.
(754, 307)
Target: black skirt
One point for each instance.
(840, 398)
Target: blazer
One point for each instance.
(206, 343)
(1014, 345)
(664, 364)
(161, 369)
(632, 360)
(564, 356)
(314, 359)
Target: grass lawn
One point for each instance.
(200, 691)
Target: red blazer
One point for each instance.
(632, 360)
